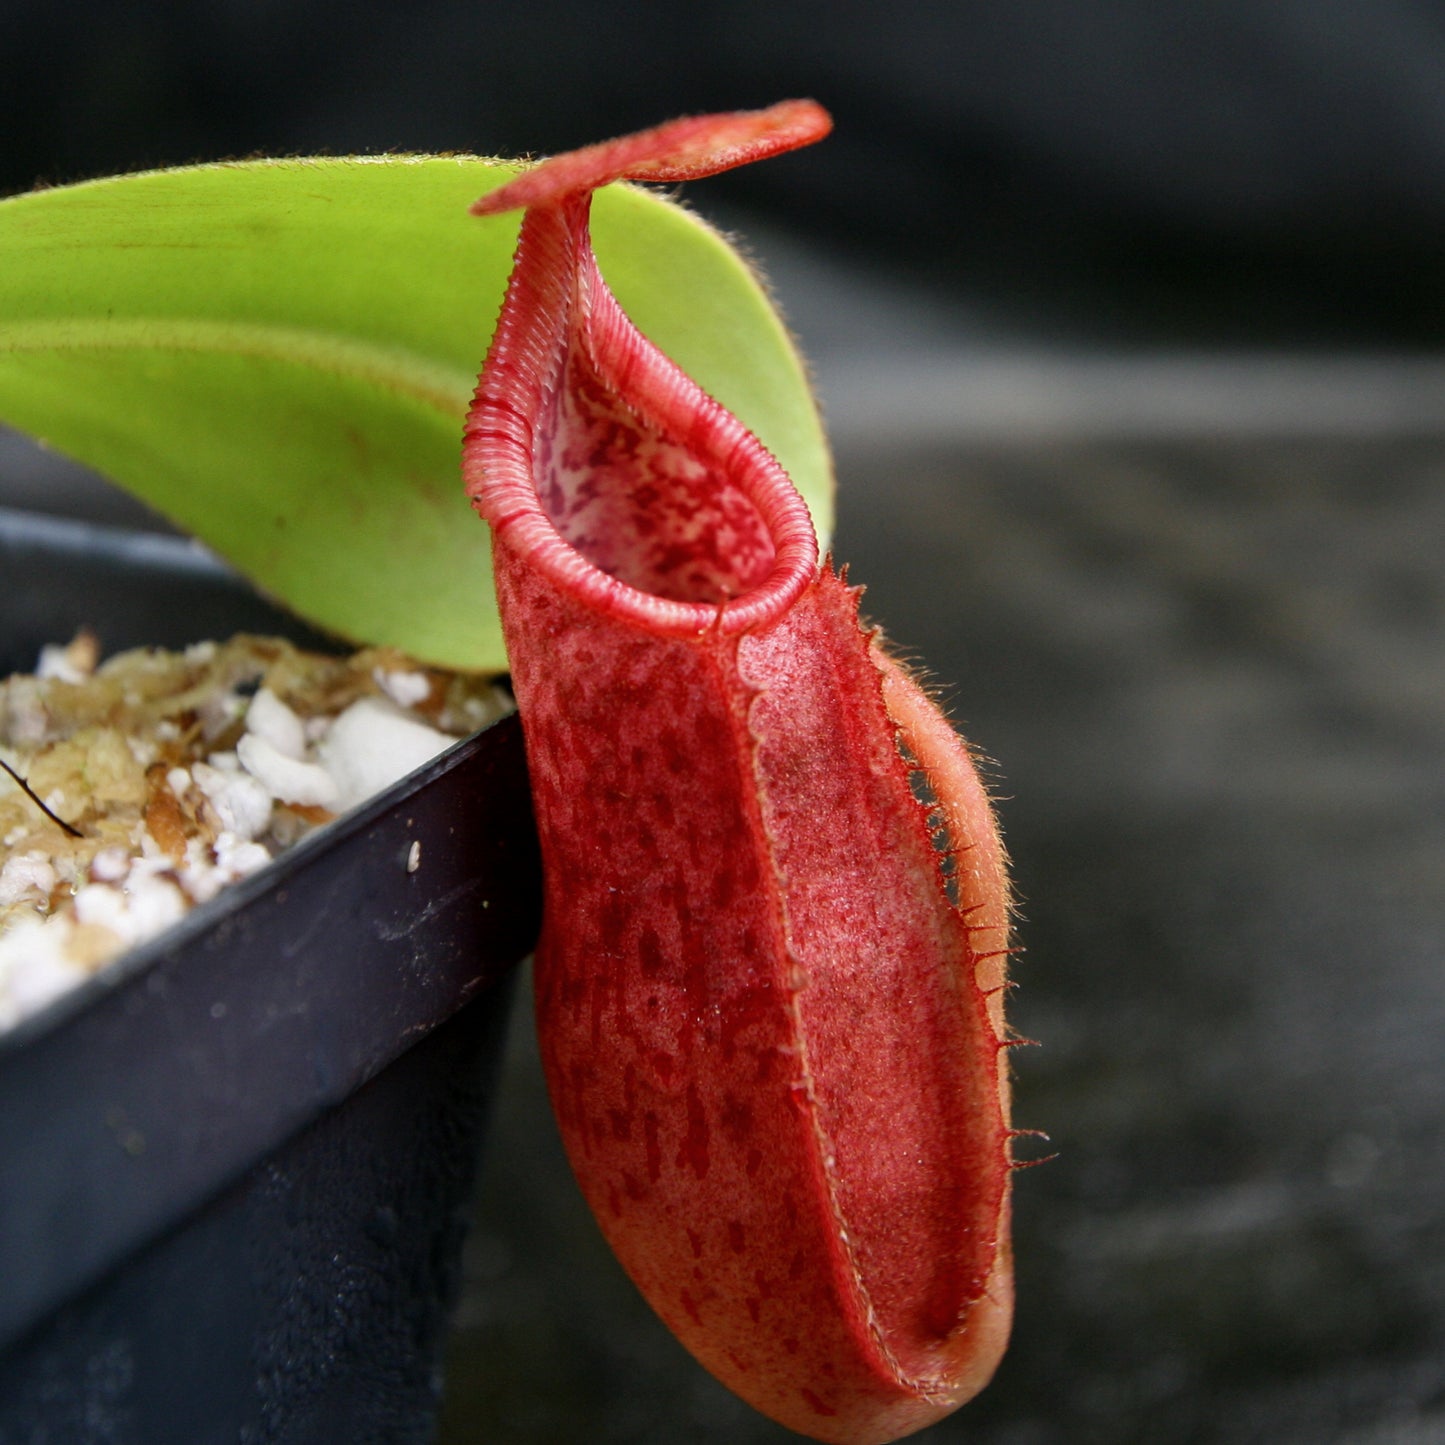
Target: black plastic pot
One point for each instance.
(234, 1167)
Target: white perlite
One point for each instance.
(207, 791)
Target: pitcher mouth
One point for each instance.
(603, 466)
(534, 538)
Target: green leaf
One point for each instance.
(277, 355)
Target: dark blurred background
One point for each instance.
(1127, 320)
(1218, 171)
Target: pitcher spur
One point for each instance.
(769, 984)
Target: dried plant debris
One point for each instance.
(135, 788)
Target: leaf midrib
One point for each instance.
(434, 385)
